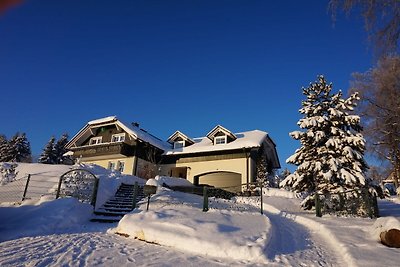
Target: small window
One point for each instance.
(179, 144)
(95, 140)
(118, 138)
(121, 166)
(220, 140)
(111, 165)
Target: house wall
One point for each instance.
(129, 163)
(146, 169)
(237, 165)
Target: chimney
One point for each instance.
(135, 124)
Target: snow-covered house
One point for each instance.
(112, 144)
(221, 158)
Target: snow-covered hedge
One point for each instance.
(7, 172)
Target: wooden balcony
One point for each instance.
(119, 148)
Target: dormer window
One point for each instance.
(95, 140)
(179, 140)
(179, 144)
(118, 138)
(218, 140)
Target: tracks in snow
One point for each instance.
(292, 244)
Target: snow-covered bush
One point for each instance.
(7, 172)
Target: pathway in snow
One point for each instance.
(292, 244)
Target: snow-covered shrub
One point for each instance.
(7, 172)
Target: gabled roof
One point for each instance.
(204, 144)
(179, 134)
(133, 131)
(218, 129)
(244, 140)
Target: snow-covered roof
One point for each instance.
(134, 131)
(103, 120)
(177, 134)
(247, 139)
(218, 129)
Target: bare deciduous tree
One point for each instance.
(379, 89)
(382, 21)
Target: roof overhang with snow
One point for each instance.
(134, 132)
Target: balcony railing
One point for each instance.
(104, 149)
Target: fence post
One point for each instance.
(135, 194)
(26, 187)
(318, 211)
(205, 199)
(376, 208)
(261, 196)
(94, 195)
(59, 187)
(367, 200)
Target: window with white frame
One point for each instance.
(118, 137)
(218, 140)
(95, 140)
(121, 166)
(111, 165)
(179, 144)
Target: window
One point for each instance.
(111, 165)
(95, 140)
(121, 166)
(118, 138)
(218, 140)
(179, 144)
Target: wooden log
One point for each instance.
(391, 238)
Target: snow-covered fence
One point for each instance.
(230, 198)
(361, 203)
(13, 191)
(30, 186)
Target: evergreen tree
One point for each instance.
(48, 155)
(20, 148)
(5, 150)
(330, 158)
(262, 171)
(59, 151)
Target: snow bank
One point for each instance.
(175, 219)
(384, 224)
(275, 192)
(42, 218)
(172, 181)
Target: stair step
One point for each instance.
(109, 213)
(115, 205)
(112, 210)
(105, 219)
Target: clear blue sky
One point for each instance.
(170, 65)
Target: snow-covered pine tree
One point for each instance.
(330, 158)
(20, 148)
(59, 151)
(261, 167)
(5, 155)
(48, 155)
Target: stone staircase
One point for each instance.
(119, 205)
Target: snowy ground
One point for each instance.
(58, 233)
